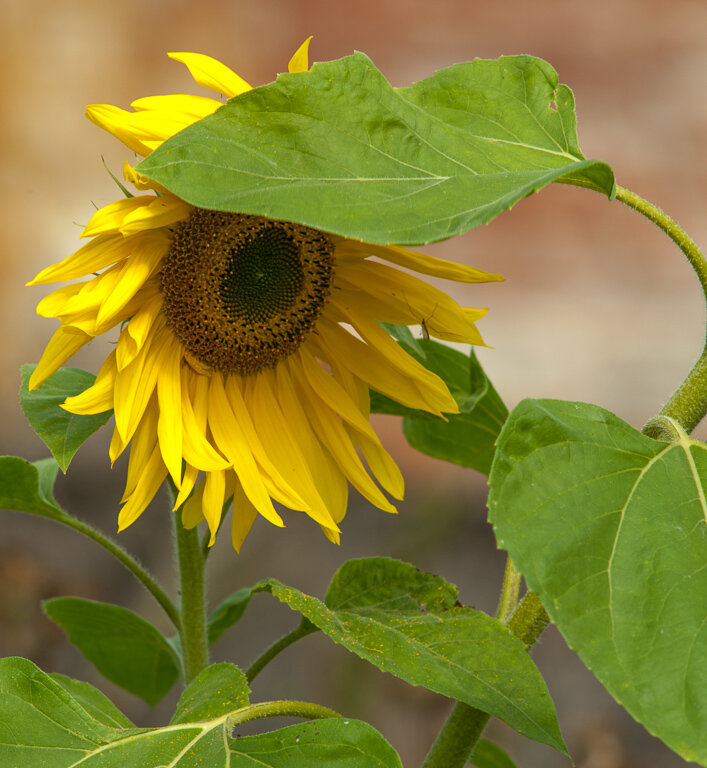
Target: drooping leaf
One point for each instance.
(62, 432)
(608, 527)
(489, 755)
(124, 647)
(97, 704)
(339, 149)
(409, 623)
(43, 726)
(214, 692)
(27, 487)
(227, 613)
(466, 438)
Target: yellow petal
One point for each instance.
(213, 501)
(181, 104)
(110, 218)
(131, 277)
(189, 478)
(63, 345)
(137, 331)
(99, 253)
(121, 124)
(244, 514)
(169, 396)
(232, 443)
(151, 478)
(98, 398)
(368, 364)
(327, 475)
(277, 487)
(300, 60)
(282, 444)
(212, 74)
(420, 262)
(332, 433)
(197, 450)
(162, 211)
(192, 511)
(142, 446)
(135, 384)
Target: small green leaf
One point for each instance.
(214, 692)
(227, 613)
(466, 438)
(97, 704)
(124, 647)
(42, 725)
(339, 149)
(62, 432)
(409, 623)
(608, 527)
(28, 487)
(488, 755)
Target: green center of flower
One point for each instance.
(243, 292)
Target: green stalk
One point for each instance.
(263, 709)
(193, 630)
(305, 628)
(526, 620)
(122, 555)
(688, 405)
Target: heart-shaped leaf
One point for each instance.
(608, 527)
(339, 149)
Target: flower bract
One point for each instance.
(246, 346)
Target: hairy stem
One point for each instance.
(302, 709)
(193, 630)
(688, 404)
(122, 555)
(304, 629)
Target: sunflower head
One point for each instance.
(246, 346)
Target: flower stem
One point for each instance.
(263, 709)
(458, 737)
(122, 555)
(305, 628)
(193, 630)
(688, 405)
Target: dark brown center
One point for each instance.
(243, 292)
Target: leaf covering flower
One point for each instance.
(246, 346)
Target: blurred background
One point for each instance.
(598, 306)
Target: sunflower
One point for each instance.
(246, 346)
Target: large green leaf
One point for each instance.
(28, 487)
(339, 149)
(124, 647)
(62, 432)
(410, 624)
(608, 526)
(466, 438)
(43, 726)
(97, 704)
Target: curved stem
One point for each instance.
(193, 629)
(526, 620)
(688, 405)
(303, 709)
(304, 629)
(143, 576)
